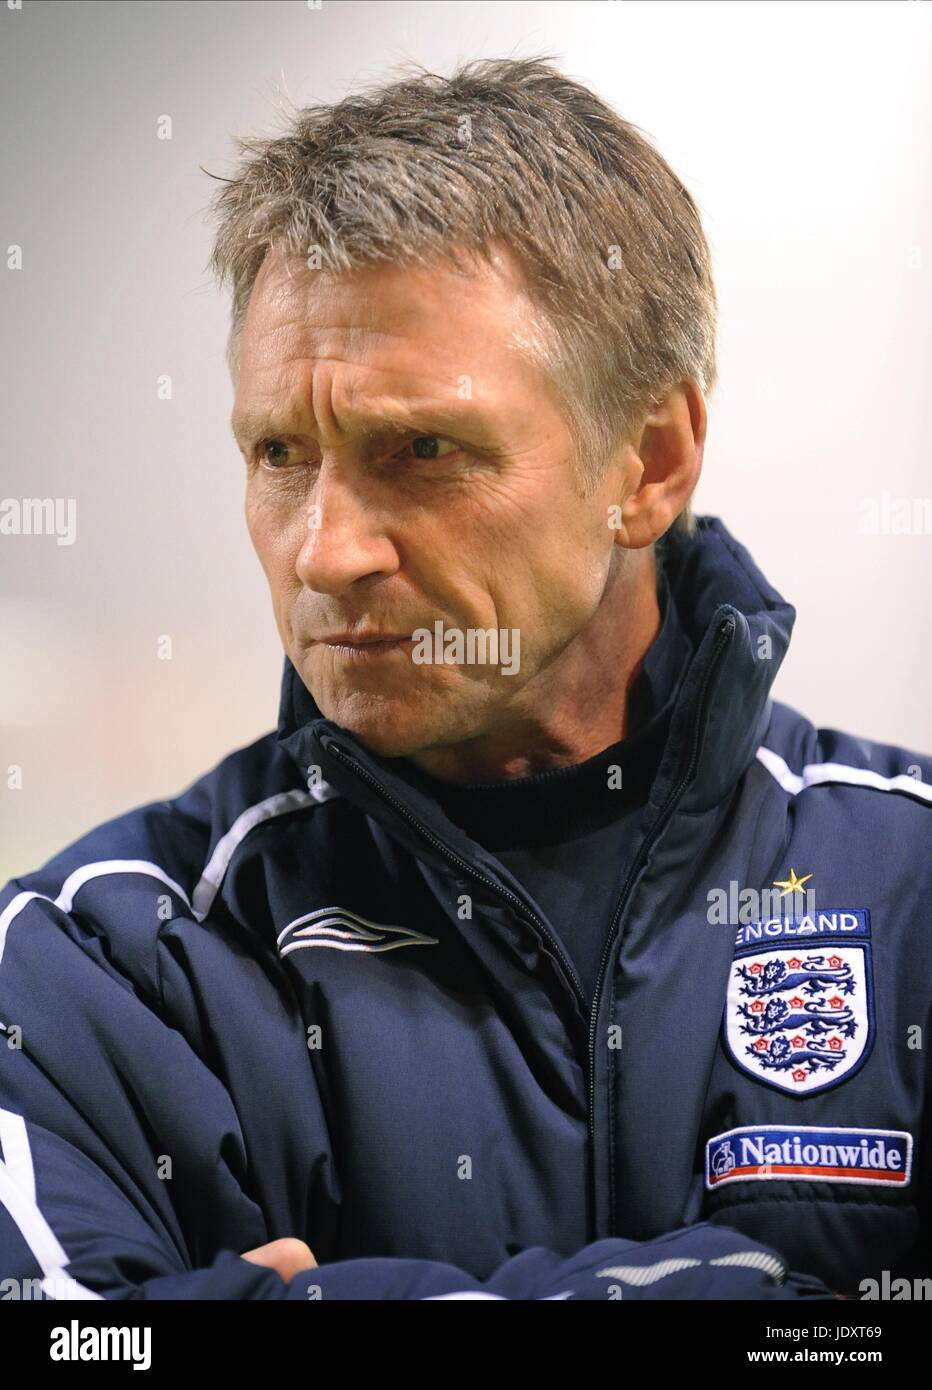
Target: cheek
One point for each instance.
(270, 539)
(256, 525)
(276, 549)
(548, 540)
(549, 587)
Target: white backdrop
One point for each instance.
(802, 130)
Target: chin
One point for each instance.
(388, 728)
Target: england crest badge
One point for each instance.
(799, 1014)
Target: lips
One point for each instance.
(366, 651)
(348, 639)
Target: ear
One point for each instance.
(670, 447)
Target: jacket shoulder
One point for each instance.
(800, 755)
(130, 875)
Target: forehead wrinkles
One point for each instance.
(318, 399)
(323, 350)
(330, 345)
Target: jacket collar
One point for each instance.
(740, 629)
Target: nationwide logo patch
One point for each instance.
(339, 929)
(799, 1013)
(774, 1152)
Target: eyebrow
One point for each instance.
(251, 425)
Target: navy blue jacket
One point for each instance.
(296, 1000)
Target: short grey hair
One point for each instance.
(610, 243)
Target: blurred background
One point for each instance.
(804, 133)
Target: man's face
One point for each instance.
(405, 465)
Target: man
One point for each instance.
(441, 989)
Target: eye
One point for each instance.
(427, 446)
(265, 455)
(274, 454)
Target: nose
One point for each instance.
(346, 539)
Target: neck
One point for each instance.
(576, 705)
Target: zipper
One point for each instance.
(524, 912)
(726, 627)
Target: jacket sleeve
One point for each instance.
(71, 1230)
(694, 1262)
(123, 1167)
(124, 1172)
(66, 1229)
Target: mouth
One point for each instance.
(366, 648)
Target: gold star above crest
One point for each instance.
(791, 884)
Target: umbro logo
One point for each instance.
(342, 930)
